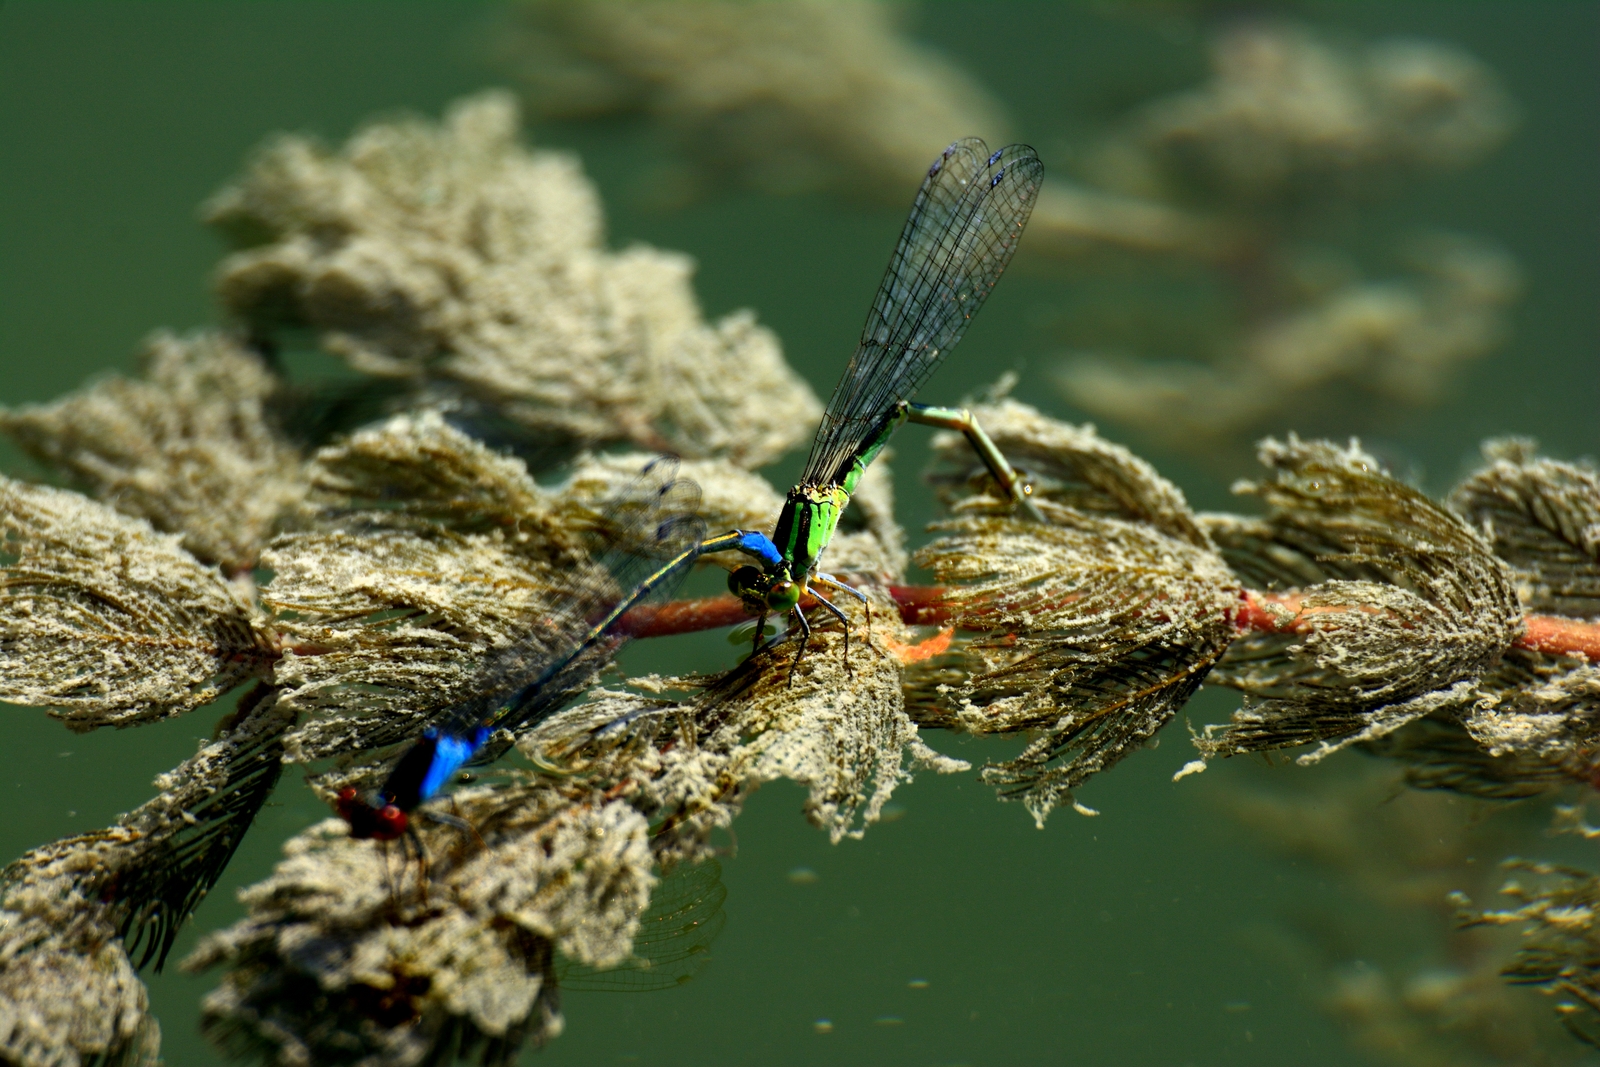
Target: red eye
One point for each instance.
(349, 805)
(391, 823)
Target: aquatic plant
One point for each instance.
(1220, 196)
(390, 553)
(1555, 907)
(1294, 128)
(469, 273)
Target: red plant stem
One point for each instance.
(925, 605)
(1561, 637)
(683, 616)
(1284, 613)
(920, 605)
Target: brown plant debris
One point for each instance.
(1532, 725)
(107, 622)
(80, 915)
(407, 603)
(843, 733)
(360, 952)
(1540, 708)
(69, 997)
(1072, 470)
(189, 446)
(1291, 114)
(1544, 519)
(1439, 752)
(452, 259)
(783, 97)
(1411, 609)
(1556, 909)
(351, 945)
(1095, 628)
(1291, 123)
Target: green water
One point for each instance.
(1154, 934)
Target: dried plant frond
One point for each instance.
(416, 471)
(386, 630)
(1071, 468)
(69, 997)
(1544, 519)
(802, 96)
(188, 447)
(191, 830)
(465, 954)
(359, 952)
(80, 915)
(845, 738)
(785, 97)
(1399, 338)
(1288, 114)
(1561, 948)
(448, 254)
(353, 953)
(688, 763)
(1439, 752)
(731, 498)
(1269, 555)
(109, 623)
(648, 747)
(382, 631)
(1097, 627)
(1433, 613)
(1541, 708)
(1289, 123)
(736, 499)
(1097, 631)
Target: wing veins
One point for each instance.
(957, 240)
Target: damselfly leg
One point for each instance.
(963, 227)
(1005, 475)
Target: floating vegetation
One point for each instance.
(470, 273)
(1556, 907)
(1222, 192)
(385, 568)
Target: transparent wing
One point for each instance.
(963, 228)
(643, 542)
(674, 939)
(651, 534)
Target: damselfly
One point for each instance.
(963, 228)
(649, 535)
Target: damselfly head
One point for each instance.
(368, 821)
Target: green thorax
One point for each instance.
(806, 524)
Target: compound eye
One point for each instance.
(391, 823)
(742, 582)
(349, 805)
(783, 596)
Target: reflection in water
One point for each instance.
(674, 940)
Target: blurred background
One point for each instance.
(1373, 220)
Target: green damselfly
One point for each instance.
(963, 228)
